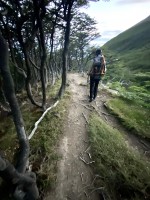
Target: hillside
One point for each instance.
(136, 37)
(129, 52)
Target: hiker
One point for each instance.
(97, 70)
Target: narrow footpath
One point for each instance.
(75, 176)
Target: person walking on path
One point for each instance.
(97, 70)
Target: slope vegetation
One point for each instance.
(130, 52)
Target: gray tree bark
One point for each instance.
(67, 12)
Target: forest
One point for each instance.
(41, 43)
(35, 53)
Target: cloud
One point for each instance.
(105, 37)
(110, 33)
(117, 16)
(123, 2)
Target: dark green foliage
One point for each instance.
(137, 94)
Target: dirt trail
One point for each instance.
(75, 178)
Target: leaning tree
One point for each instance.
(23, 182)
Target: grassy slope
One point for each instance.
(132, 48)
(133, 38)
(133, 116)
(128, 55)
(123, 174)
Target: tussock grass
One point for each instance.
(133, 116)
(124, 174)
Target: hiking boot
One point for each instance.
(90, 100)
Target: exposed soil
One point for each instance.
(75, 175)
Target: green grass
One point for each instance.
(43, 145)
(123, 173)
(133, 116)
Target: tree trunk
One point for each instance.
(7, 171)
(17, 117)
(40, 13)
(25, 48)
(28, 79)
(65, 50)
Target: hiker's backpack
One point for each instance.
(98, 66)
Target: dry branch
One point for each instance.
(96, 110)
(146, 145)
(106, 113)
(85, 118)
(95, 189)
(102, 113)
(84, 106)
(94, 107)
(86, 194)
(87, 163)
(105, 118)
(87, 148)
(105, 105)
(81, 176)
(37, 123)
(96, 176)
(89, 155)
(96, 104)
(85, 141)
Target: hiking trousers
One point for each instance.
(93, 87)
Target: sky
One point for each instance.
(116, 16)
